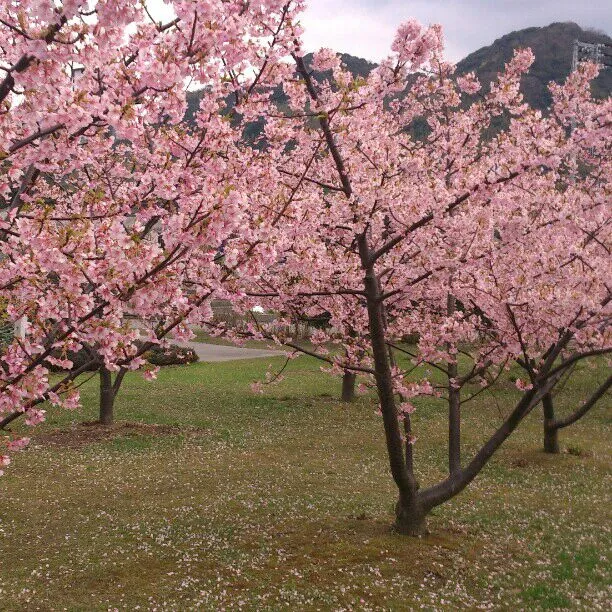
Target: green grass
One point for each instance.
(284, 501)
(203, 336)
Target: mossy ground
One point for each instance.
(284, 501)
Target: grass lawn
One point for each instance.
(203, 336)
(284, 501)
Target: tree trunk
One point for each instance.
(348, 386)
(410, 517)
(443, 491)
(107, 397)
(408, 445)
(454, 425)
(551, 432)
(454, 405)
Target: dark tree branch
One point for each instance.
(580, 412)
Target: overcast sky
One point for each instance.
(365, 27)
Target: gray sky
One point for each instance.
(366, 27)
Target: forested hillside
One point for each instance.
(552, 46)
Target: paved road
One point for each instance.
(218, 352)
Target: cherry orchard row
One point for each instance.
(491, 246)
(110, 206)
(496, 248)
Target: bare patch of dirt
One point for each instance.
(89, 432)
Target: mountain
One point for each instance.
(356, 65)
(552, 46)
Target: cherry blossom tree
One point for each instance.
(485, 246)
(577, 246)
(111, 206)
(444, 236)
